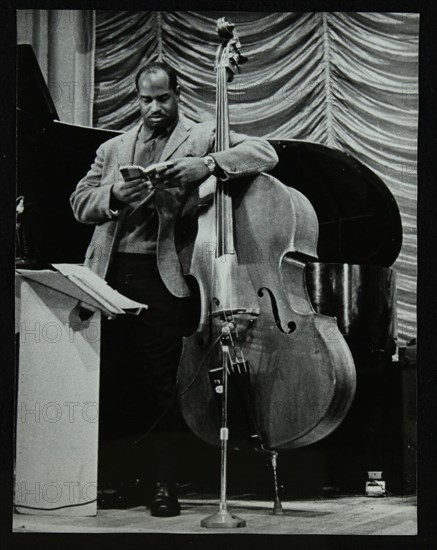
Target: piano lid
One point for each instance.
(33, 95)
(358, 216)
(52, 156)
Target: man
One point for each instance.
(133, 244)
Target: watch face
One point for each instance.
(210, 164)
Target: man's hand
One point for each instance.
(132, 190)
(185, 170)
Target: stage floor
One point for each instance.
(349, 515)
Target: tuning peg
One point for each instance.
(225, 28)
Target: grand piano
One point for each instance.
(360, 236)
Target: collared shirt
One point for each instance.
(140, 226)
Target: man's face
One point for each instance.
(158, 102)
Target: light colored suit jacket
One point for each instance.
(91, 199)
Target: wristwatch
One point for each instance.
(210, 164)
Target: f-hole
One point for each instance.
(291, 325)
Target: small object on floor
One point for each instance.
(164, 501)
(375, 486)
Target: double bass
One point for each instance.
(291, 376)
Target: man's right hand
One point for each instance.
(132, 190)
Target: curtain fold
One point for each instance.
(375, 97)
(347, 80)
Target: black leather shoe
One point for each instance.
(164, 501)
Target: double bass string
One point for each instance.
(224, 219)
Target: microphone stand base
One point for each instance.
(223, 519)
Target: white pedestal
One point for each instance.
(57, 405)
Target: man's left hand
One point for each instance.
(185, 170)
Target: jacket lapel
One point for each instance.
(125, 156)
(178, 136)
(127, 146)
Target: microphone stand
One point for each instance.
(223, 518)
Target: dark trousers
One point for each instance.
(142, 354)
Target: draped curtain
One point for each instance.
(346, 80)
(63, 42)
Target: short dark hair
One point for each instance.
(155, 66)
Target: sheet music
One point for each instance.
(57, 281)
(86, 279)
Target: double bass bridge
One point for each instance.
(228, 314)
(239, 320)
